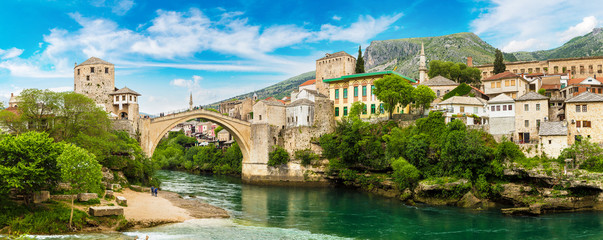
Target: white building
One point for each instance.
(471, 110)
(501, 115)
(553, 138)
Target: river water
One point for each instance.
(263, 212)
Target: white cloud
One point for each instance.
(190, 84)
(10, 53)
(586, 26)
(336, 18)
(121, 7)
(515, 46)
(364, 29)
(506, 23)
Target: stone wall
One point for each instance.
(593, 114)
(553, 145)
(125, 125)
(502, 126)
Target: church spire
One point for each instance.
(422, 65)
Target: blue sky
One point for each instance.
(218, 49)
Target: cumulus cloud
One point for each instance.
(10, 53)
(336, 18)
(586, 26)
(552, 22)
(190, 84)
(360, 31)
(119, 7)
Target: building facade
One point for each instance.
(333, 66)
(471, 110)
(580, 67)
(531, 110)
(501, 113)
(553, 138)
(506, 82)
(583, 114)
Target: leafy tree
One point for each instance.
(581, 152)
(359, 61)
(12, 121)
(461, 90)
(217, 130)
(405, 174)
(357, 109)
(28, 163)
(542, 91)
(278, 156)
(464, 153)
(458, 72)
(393, 91)
(81, 170)
(306, 156)
(76, 114)
(423, 96)
(499, 65)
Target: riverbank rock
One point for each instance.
(105, 211)
(429, 185)
(41, 196)
(515, 193)
(121, 201)
(109, 194)
(469, 201)
(84, 197)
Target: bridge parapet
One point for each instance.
(197, 112)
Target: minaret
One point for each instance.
(190, 102)
(422, 66)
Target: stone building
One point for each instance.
(579, 67)
(333, 66)
(224, 136)
(501, 115)
(470, 110)
(583, 114)
(553, 138)
(240, 109)
(95, 78)
(440, 86)
(348, 89)
(308, 85)
(506, 82)
(531, 110)
(269, 112)
(576, 86)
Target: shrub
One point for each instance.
(306, 156)
(405, 174)
(278, 156)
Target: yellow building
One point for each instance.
(345, 90)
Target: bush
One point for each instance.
(405, 174)
(278, 156)
(306, 156)
(593, 164)
(462, 90)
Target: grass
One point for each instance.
(89, 202)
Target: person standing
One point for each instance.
(152, 190)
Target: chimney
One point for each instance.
(11, 94)
(469, 61)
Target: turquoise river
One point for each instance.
(268, 212)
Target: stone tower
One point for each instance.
(422, 66)
(95, 78)
(333, 66)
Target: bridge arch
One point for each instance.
(154, 129)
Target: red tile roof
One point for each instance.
(309, 82)
(551, 86)
(505, 74)
(575, 81)
(535, 74)
(477, 89)
(13, 110)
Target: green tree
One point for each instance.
(423, 96)
(360, 61)
(458, 72)
(81, 170)
(581, 151)
(217, 130)
(12, 121)
(499, 65)
(393, 91)
(405, 174)
(39, 108)
(278, 156)
(357, 109)
(542, 91)
(28, 163)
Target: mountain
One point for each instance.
(278, 90)
(403, 54)
(590, 44)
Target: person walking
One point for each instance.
(156, 191)
(152, 190)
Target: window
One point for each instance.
(513, 82)
(462, 109)
(364, 91)
(355, 91)
(78, 72)
(364, 109)
(337, 112)
(584, 108)
(577, 108)
(92, 69)
(578, 124)
(550, 142)
(372, 89)
(498, 108)
(510, 107)
(345, 93)
(493, 85)
(336, 93)
(308, 119)
(504, 107)
(438, 93)
(586, 124)
(260, 117)
(345, 111)
(493, 108)
(498, 84)
(475, 110)
(88, 78)
(537, 106)
(106, 70)
(527, 123)
(373, 109)
(526, 107)
(507, 83)
(381, 109)
(295, 119)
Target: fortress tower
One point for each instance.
(333, 66)
(95, 78)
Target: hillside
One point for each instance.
(278, 90)
(404, 53)
(590, 44)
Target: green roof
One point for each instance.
(366, 75)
